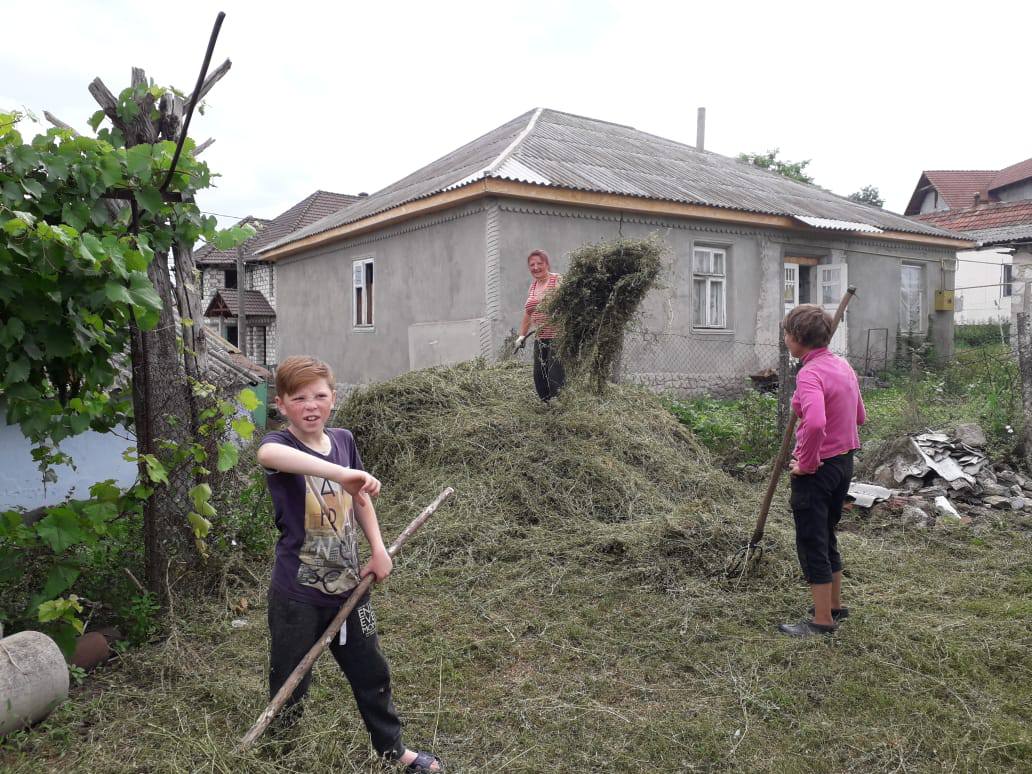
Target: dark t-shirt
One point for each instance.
(316, 558)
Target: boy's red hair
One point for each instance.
(297, 371)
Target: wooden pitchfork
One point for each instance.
(333, 629)
(749, 556)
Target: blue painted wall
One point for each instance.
(97, 457)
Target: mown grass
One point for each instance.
(579, 635)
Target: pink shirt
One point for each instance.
(828, 403)
(534, 298)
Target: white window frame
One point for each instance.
(904, 317)
(1007, 284)
(709, 276)
(791, 279)
(361, 293)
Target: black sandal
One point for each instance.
(424, 761)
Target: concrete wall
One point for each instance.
(98, 457)
(451, 286)
(979, 274)
(429, 270)
(932, 202)
(1015, 193)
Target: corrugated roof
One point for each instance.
(228, 302)
(1002, 236)
(312, 208)
(550, 148)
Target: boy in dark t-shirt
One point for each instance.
(320, 491)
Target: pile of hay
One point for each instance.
(586, 479)
(598, 297)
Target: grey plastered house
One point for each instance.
(432, 270)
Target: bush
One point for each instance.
(739, 432)
(986, 334)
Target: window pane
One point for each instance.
(358, 306)
(716, 305)
(718, 262)
(699, 302)
(369, 292)
(703, 262)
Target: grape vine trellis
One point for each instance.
(86, 228)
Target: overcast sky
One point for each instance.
(350, 97)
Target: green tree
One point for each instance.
(794, 170)
(869, 194)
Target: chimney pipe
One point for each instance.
(700, 130)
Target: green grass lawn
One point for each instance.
(529, 663)
(568, 612)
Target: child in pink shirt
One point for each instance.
(828, 403)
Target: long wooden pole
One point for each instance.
(332, 630)
(786, 439)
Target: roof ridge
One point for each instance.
(506, 154)
(589, 118)
(987, 171)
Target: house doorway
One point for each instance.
(809, 281)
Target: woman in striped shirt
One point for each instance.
(549, 376)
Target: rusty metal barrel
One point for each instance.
(33, 679)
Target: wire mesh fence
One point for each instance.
(740, 391)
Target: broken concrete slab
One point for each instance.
(866, 495)
(945, 510)
(970, 433)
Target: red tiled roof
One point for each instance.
(994, 215)
(959, 186)
(310, 209)
(1012, 174)
(225, 303)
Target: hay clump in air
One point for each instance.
(598, 297)
(589, 482)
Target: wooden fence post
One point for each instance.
(784, 386)
(1024, 349)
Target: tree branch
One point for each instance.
(107, 102)
(213, 77)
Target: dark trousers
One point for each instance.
(294, 627)
(549, 376)
(817, 507)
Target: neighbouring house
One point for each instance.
(445, 248)
(220, 283)
(994, 209)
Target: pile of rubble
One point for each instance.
(944, 478)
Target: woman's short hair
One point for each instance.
(297, 371)
(810, 325)
(541, 254)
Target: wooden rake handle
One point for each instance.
(786, 439)
(316, 650)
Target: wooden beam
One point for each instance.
(801, 260)
(562, 196)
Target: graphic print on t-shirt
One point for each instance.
(329, 556)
